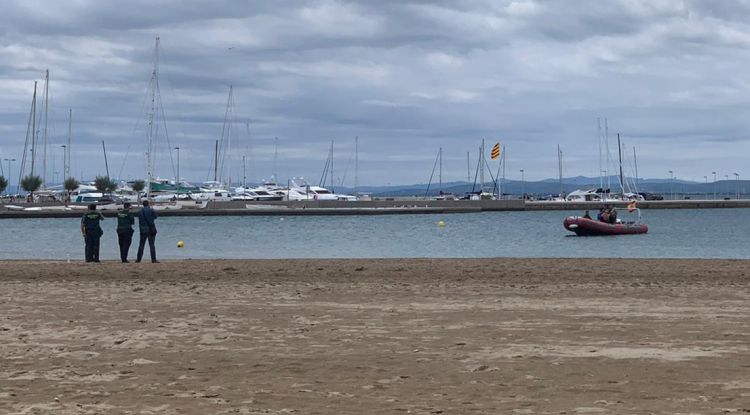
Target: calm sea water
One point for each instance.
(710, 233)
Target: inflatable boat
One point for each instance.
(583, 226)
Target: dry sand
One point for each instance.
(376, 336)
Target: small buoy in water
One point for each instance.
(180, 244)
(441, 223)
(281, 218)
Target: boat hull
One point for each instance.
(589, 227)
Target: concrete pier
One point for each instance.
(374, 207)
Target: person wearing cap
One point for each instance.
(125, 222)
(92, 232)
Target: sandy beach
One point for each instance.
(541, 336)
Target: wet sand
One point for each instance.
(528, 336)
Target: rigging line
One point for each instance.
(26, 145)
(170, 90)
(431, 175)
(346, 169)
(166, 132)
(125, 159)
(323, 176)
(476, 173)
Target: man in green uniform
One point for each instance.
(125, 221)
(92, 233)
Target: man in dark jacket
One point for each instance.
(92, 233)
(147, 227)
(125, 222)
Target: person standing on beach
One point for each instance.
(147, 227)
(125, 222)
(92, 233)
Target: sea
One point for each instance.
(688, 233)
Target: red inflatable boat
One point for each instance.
(591, 227)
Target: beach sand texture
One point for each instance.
(527, 336)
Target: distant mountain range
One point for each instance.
(552, 187)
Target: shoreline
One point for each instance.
(377, 207)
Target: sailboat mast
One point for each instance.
(619, 151)
(70, 139)
(481, 167)
(275, 159)
(216, 160)
(33, 130)
(502, 182)
(559, 168)
(599, 140)
(606, 143)
(151, 115)
(106, 164)
(332, 167)
(635, 162)
(356, 162)
(440, 172)
(44, 142)
(468, 170)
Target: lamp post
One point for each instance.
(523, 187)
(10, 173)
(714, 173)
(706, 178)
(178, 165)
(671, 181)
(737, 176)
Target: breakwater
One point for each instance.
(373, 207)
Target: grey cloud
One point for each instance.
(406, 77)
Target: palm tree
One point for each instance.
(31, 184)
(3, 184)
(70, 185)
(104, 184)
(138, 187)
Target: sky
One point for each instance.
(406, 77)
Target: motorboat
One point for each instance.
(586, 226)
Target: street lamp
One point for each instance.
(523, 185)
(737, 175)
(706, 178)
(7, 191)
(671, 181)
(178, 165)
(714, 173)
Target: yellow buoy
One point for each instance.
(180, 244)
(441, 224)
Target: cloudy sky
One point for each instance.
(406, 77)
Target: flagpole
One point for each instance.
(499, 163)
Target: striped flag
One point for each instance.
(495, 153)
